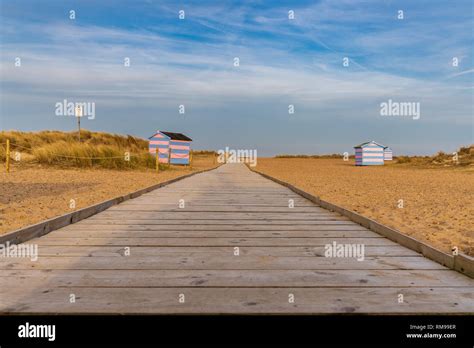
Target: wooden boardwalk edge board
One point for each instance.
(461, 262)
(315, 301)
(40, 229)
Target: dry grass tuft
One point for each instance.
(96, 149)
(441, 159)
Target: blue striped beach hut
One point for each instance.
(175, 146)
(387, 154)
(369, 154)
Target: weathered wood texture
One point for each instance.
(225, 241)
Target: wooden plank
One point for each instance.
(86, 251)
(244, 201)
(464, 264)
(220, 262)
(204, 241)
(242, 300)
(97, 232)
(202, 207)
(234, 278)
(225, 192)
(232, 215)
(227, 227)
(266, 222)
(185, 215)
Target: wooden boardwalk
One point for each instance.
(148, 255)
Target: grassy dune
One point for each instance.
(465, 157)
(96, 149)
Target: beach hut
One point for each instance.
(173, 146)
(369, 154)
(387, 154)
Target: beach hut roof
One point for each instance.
(370, 142)
(175, 136)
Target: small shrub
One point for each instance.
(403, 159)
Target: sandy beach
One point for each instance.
(32, 194)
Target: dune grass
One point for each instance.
(88, 155)
(465, 157)
(96, 149)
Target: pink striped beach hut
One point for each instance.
(175, 146)
(369, 154)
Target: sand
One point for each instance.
(438, 203)
(32, 194)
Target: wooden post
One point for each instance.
(191, 159)
(169, 157)
(79, 128)
(7, 159)
(157, 160)
(78, 112)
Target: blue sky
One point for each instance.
(282, 62)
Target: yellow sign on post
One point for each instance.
(7, 159)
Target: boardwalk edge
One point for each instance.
(461, 263)
(40, 229)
